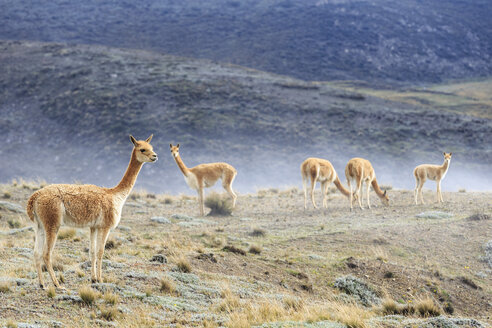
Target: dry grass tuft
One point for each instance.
(230, 302)
(7, 195)
(183, 264)
(4, 287)
(14, 224)
(258, 232)
(88, 295)
(255, 249)
(234, 249)
(108, 313)
(67, 233)
(293, 303)
(110, 298)
(422, 307)
(219, 205)
(427, 308)
(167, 286)
(11, 324)
(51, 292)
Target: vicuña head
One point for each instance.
(83, 206)
(385, 199)
(447, 156)
(174, 150)
(144, 150)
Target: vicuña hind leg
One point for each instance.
(313, 185)
(200, 199)
(304, 187)
(227, 184)
(93, 254)
(416, 190)
(359, 193)
(38, 252)
(351, 197)
(324, 191)
(102, 236)
(422, 181)
(368, 187)
(51, 233)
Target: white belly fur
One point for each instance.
(191, 181)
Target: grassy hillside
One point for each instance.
(67, 112)
(379, 40)
(470, 98)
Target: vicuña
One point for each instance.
(431, 172)
(206, 175)
(82, 206)
(321, 170)
(358, 171)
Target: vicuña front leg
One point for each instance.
(324, 190)
(200, 199)
(439, 195)
(102, 236)
(368, 187)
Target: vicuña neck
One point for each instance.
(340, 187)
(128, 181)
(445, 166)
(376, 188)
(181, 165)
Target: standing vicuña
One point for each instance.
(82, 206)
(357, 171)
(321, 170)
(431, 172)
(206, 175)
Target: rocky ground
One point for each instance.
(272, 263)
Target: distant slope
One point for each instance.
(377, 41)
(66, 112)
(466, 97)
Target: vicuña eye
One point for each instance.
(142, 150)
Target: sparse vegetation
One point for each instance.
(51, 292)
(108, 313)
(219, 205)
(167, 286)
(255, 249)
(234, 249)
(424, 307)
(258, 232)
(110, 298)
(14, 224)
(183, 264)
(88, 295)
(66, 233)
(4, 286)
(7, 195)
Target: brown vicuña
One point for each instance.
(431, 172)
(321, 170)
(82, 206)
(357, 171)
(206, 175)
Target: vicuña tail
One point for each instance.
(30, 206)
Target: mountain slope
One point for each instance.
(378, 41)
(67, 112)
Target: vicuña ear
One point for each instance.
(149, 138)
(170, 145)
(177, 145)
(133, 140)
(444, 153)
(450, 154)
(384, 194)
